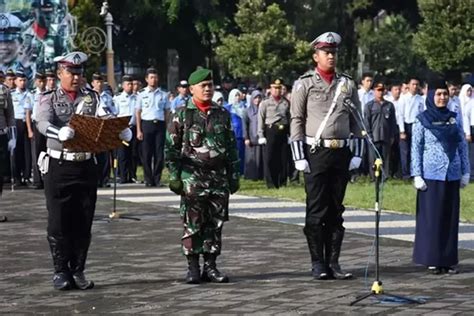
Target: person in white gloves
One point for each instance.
(323, 105)
(273, 130)
(440, 167)
(70, 178)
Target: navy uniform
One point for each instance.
(22, 102)
(38, 143)
(321, 125)
(152, 111)
(70, 178)
(125, 105)
(7, 134)
(273, 130)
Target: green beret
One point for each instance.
(199, 76)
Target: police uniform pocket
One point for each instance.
(63, 112)
(318, 96)
(195, 136)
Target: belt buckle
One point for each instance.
(281, 127)
(79, 156)
(333, 144)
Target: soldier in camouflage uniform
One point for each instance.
(203, 162)
(7, 134)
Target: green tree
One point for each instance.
(267, 46)
(445, 38)
(387, 45)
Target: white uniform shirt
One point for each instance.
(125, 104)
(364, 98)
(410, 107)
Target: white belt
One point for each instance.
(69, 156)
(328, 143)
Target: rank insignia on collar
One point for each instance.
(88, 99)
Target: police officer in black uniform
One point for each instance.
(322, 103)
(70, 178)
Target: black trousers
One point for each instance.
(276, 156)
(22, 152)
(326, 186)
(4, 159)
(103, 167)
(153, 147)
(405, 152)
(38, 144)
(384, 150)
(395, 166)
(71, 193)
(126, 163)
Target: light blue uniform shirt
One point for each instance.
(106, 105)
(22, 101)
(152, 104)
(35, 95)
(125, 104)
(179, 101)
(431, 162)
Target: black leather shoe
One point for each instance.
(336, 272)
(450, 270)
(3, 219)
(435, 270)
(81, 282)
(62, 281)
(318, 271)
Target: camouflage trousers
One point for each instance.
(203, 219)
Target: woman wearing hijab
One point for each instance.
(440, 167)
(218, 98)
(237, 113)
(253, 151)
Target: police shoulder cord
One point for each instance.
(320, 130)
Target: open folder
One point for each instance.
(94, 134)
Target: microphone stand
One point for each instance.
(377, 288)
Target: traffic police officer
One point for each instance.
(321, 125)
(38, 142)
(70, 178)
(152, 112)
(125, 105)
(273, 130)
(202, 158)
(22, 102)
(7, 134)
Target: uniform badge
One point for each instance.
(452, 120)
(344, 88)
(334, 144)
(87, 99)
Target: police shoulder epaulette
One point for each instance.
(346, 75)
(33, 91)
(48, 92)
(141, 90)
(307, 74)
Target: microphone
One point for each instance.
(348, 103)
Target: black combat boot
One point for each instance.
(194, 272)
(60, 253)
(315, 239)
(78, 262)
(210, 272)
(337, 235)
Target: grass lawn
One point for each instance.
(396, 195)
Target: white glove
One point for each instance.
(419, 183)
(11, 145)
(355, 163)
(65, 133)
(465, 179)
(126, 135)
(262, 141)
(302, 165)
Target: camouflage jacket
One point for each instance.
(202, 147)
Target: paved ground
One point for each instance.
(138, 268)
